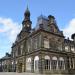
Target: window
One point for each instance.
(72, 48)
(61, 63)
(13, 54)
(29, 45)
(47, 63)
(46, 43)
(60, 47)
(36, 63)
(19, 51)
(54, 63)
(51, 28)
(28, 64)
(66, 48)
(21, 48)
(35, 43)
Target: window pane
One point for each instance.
(54, 64)
(47, 64)
(61, 64)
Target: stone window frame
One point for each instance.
(46, 42)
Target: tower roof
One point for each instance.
(50, 16)
(27, 12)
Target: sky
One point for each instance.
(12, 15)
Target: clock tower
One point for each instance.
(26, 22)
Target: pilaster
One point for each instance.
(41, 64)
(32, 64)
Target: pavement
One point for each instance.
(15, 73)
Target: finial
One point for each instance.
(27, 7)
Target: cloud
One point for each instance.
(69, 29)
(1, 30)
(9, 28)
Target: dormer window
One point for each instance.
(66, 48)
(51, 28)
(72, 48)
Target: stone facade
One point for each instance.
(43, 49)
(5, 63)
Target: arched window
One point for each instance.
(54, 63)
(61, 63)
(28, 64)
(47, 62)
(36, 63)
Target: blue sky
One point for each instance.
(12, 14)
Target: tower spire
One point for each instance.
(27, 12)
(27, 22)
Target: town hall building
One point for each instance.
(42, 49)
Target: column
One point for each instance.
(25, 63)
(64, 64)
(50, 62)
(41, 64)
(68, 64)
(42, 41)
(57, 64)
(32, 64)
(73, 62)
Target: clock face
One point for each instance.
(28, 25)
